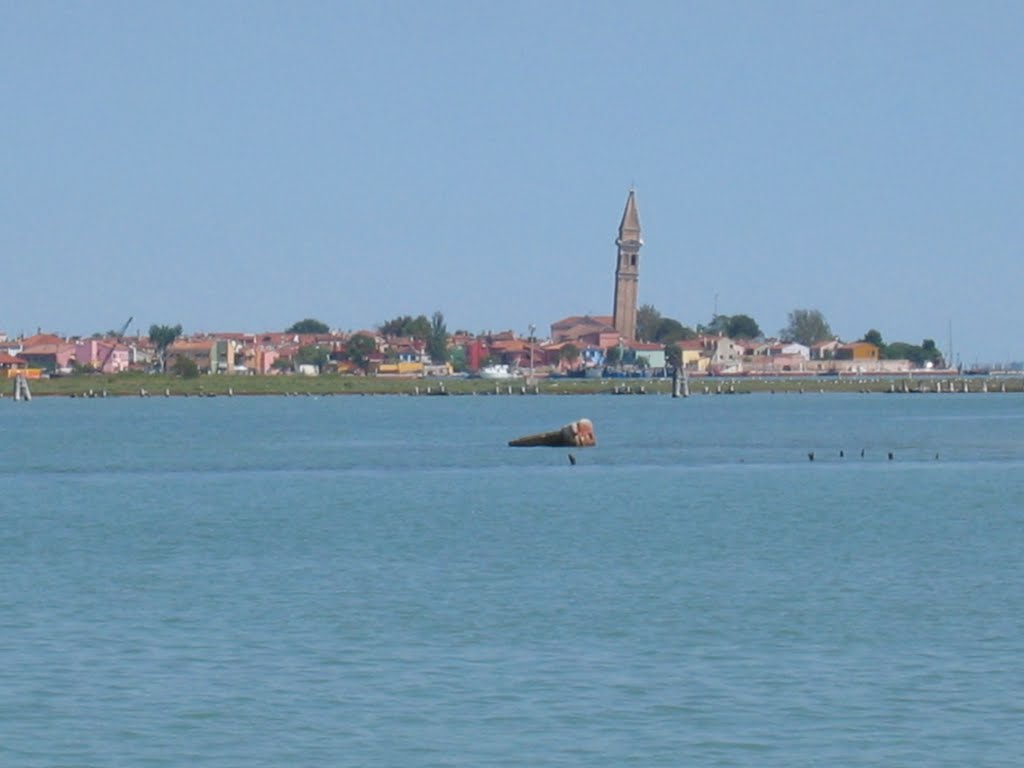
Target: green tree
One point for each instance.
(806, 326)
(613, 356)
(359, 348)
(742, 327)
(716, 327)
(570, 353)
(902, 350)
(437, 343)
(162, 337)
(458, 359)
(647, 319)
(396, 326)
(421, 328)
(406, 325)
(651, 325)
(185, 367)
(312, 355)
(932, 353)
(874, 337)
(919, 355)
(669, 329)
(309, 325)
(674, 355)
(733, 326)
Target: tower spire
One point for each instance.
(629, 228)
(627, 269)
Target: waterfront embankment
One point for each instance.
(135, 385)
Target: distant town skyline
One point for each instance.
(242, 166)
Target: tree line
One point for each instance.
(652, 326)
(804, 326)
(359, 348)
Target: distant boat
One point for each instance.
(496, 372)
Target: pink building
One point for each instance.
(51, 353)
(104, 356)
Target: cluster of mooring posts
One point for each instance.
(679, 386)
(952, 386)
(889, 455)
(507, 389)
(680, 383)
(21, 391)
(143, 392)
(628, 390)
(90, 393)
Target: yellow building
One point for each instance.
(209, 355)
(857, 350)
(400, 369)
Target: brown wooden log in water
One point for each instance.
(578, 434)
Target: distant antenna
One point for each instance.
(949, 339)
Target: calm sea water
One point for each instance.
(381, 581)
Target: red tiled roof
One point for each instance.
(694, 344)
(41, 338)
(586, 320)
(644, 346)
(508, 344)
(195, 346)
(232, 336)
(44, 349)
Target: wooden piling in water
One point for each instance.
(21, 391)
(578, 434)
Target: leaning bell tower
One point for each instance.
(627, 270)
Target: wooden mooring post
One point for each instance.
(21, 390)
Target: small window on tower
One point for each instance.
(632, 260)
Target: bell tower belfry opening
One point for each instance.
(627, 270)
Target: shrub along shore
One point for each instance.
(138, 384)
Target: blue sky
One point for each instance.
(242, 165)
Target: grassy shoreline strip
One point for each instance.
(127, 385)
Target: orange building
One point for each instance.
(857, 350)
